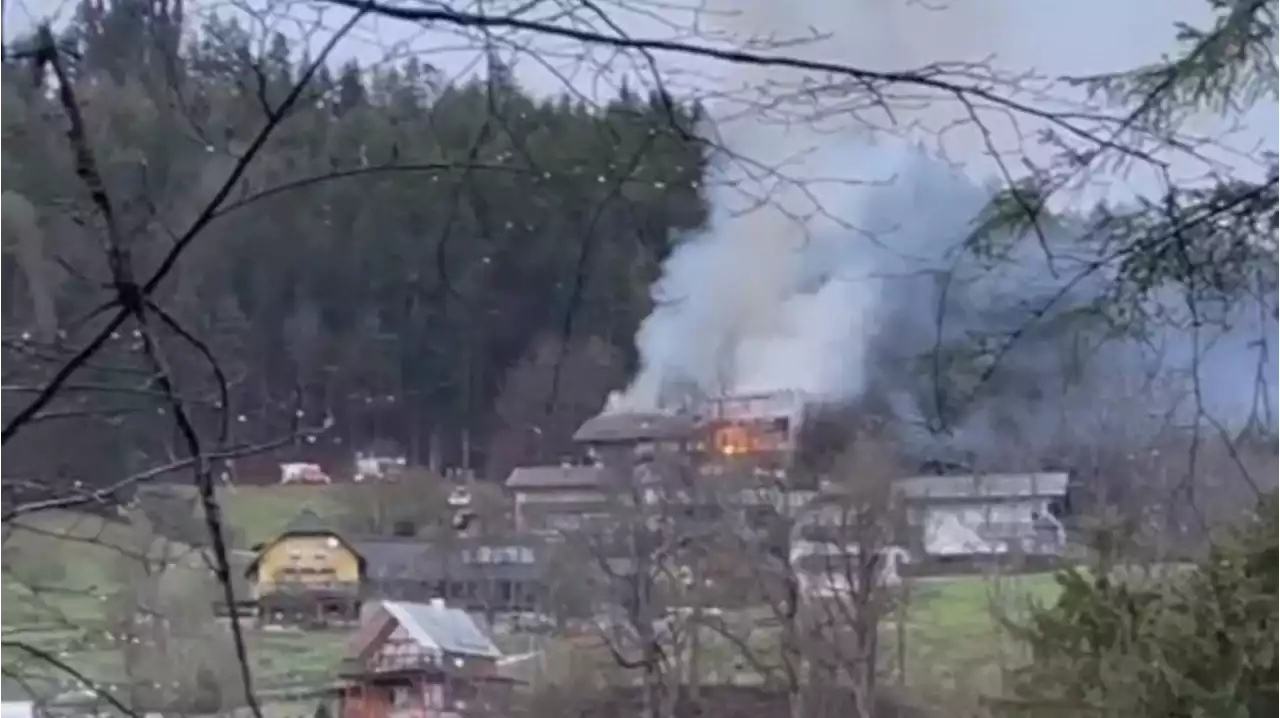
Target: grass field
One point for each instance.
(259, 513)
(254, 514)
(64, 571)
(953, 638)
(954, 645)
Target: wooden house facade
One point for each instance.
(422, 660)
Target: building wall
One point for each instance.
(411, 697)
(535, 511)
(990, 527)
(367, 701)
(315, 560)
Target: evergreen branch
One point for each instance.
(1236, 56)
(1212, 74)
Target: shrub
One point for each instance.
(1197, 643)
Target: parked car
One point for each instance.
(303, 473)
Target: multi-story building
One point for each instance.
(557, 498)
(729, 453)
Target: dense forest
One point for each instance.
(437, 310)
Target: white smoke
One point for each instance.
(782, 289)
(819, 268)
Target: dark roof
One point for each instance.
(307, 522)
(983, 486)
(611, 428)
(555, 477)
(385, 557)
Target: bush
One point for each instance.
(1198, 643)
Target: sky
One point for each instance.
(1047, 38)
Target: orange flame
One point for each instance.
(732, 440)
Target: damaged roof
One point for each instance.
(609, 428)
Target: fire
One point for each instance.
(732, 440)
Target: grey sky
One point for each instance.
(1052, 39)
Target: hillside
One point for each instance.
(66, 575)
(69, 578)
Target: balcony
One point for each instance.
(311, 588)
(414, 662)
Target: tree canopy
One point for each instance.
(391, 253)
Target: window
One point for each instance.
(461, 692)
(298, 573)
(513, 554)
(402, 697)
(564, 522)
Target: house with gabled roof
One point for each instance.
(556, 498)
(312, 572)
(308, 570)
(986, 514)
(421, 660)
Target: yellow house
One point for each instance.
(309, 571)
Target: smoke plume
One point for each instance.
(831, 262)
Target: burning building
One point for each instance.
(758, 433)
(760, 430)
(745, 444)
(622, 443)
(752, 438)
